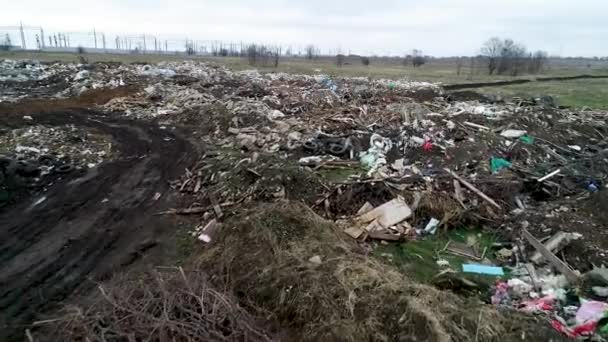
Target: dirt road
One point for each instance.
(87, 226)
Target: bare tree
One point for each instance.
(537, 62)
(6, 43)
(492, 50)
(263, 55)
(471, 69)
(407, 60)
(311, 52)
(340, 60)
(459, 62)
(365, 61)
(512, 58)
(417, 58)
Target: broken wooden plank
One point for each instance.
(458, 193)
(388, 214)
(354, 232)
(544, 178)
(473, 188)
(555, 155)
(365, 208)
(417, 199)
(209, 231)
(384, 235)
(474, 125)
(552, 258)
(374, 225)
(194, 210)
(554, 244)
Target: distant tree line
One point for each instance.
(5, 43)
(506, 57)
(263, 55)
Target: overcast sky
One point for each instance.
(438, 27)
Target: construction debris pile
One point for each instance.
(29, 154)
(393, 163)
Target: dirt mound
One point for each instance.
(285, 263)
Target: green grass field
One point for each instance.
(592, 93)
(577, 93)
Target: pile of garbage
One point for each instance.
(413, 162)
(35, 151)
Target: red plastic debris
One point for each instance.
(427, 146)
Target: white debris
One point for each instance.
(431, 227)
(21, 149)
(513, 133)
(275, 114)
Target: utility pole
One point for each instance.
(95, 37)
(155, 45)
(144, 36)
(42, 37)
(166, 46)
(23, 46)
(68, 39)
(103, 41)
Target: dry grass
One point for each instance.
(167, 305)
(264, 259)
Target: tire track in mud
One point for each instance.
(57, 248)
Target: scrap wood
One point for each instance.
(474, 125)
(365, 208)
(458, 193)
(473, 188)
(556, 242)
(184, 184)
(388, 214)
(544, 178)
(552, 258)
(554, 154)
(384, 235)
(417, 199)
(194, 210)
(354, 232)
(464, 251)
(326, 197)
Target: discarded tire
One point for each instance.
(337, 149)
(310, 145)
(46, 160)
(66, 168)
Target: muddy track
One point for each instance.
(519, 81)
(60, 247)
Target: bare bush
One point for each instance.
(161, 306)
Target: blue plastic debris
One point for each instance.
(483, 269)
